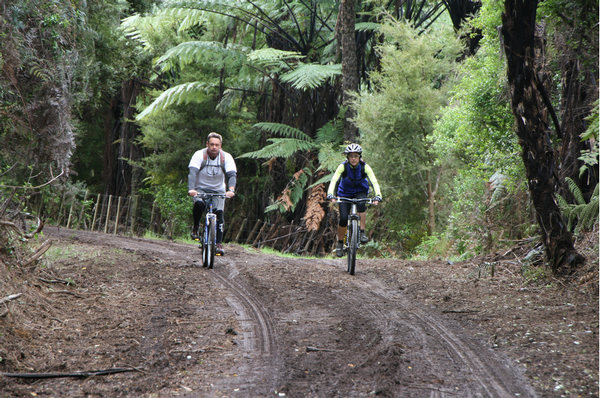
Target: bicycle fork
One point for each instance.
(349, 231)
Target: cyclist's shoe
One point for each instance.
(339, 249)
(195, 232)
(363, 238)
(220, 251)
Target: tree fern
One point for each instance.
(203, 53)
(585, 214)
(589, 157)
(274, 58)
(282, 130)
(181, 94)
(310, 76)
(280, 147)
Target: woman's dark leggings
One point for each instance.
(345, 208)
(198, 212)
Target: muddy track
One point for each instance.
(308, 329)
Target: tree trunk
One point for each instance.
(539, 158)
(349, 65)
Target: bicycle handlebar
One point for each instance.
(211, 195)
(354, 200)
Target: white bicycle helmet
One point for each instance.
(353, 148)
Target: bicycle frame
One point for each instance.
(209, 232)
(352, 242)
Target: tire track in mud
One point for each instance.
(262, 372)
(445, 360)
(490, 376)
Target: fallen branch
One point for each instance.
(192, 351)
(39, 228)
(459, 311)
(11, 225)
(53, 281)
(11, 297)
(309, 349)
(39, 253)
(73, 374)
(66, 292)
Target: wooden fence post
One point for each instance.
(260, 233)
(107, 214)
(152, 215)
(134, 213)
(117, 215)
(237, 237)
(96, 213)
(127, 214)
(70, 213)
(253, 232)
(82, 212)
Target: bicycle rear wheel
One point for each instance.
(212, 242)
(352, 245)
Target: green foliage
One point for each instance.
(434, 246)
(175, 207)
(310, 76)
(585, 215)
(397, 117)
(292, 194)
(590, 156)
(182, 94)
(295, 141)
(206, 54)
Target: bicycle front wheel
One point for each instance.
(205, 249)
(212, 242)
(352, 245)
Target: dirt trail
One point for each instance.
(258, 325)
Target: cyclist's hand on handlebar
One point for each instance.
(192, 192)
(230, 194)
(376, 200)
(331, 198)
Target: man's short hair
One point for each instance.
(214, 135)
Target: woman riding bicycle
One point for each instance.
(354, 176)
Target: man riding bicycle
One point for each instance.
(209, 168)
(354, 176)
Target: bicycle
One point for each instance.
(207, 241)
(352, 241)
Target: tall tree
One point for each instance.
(528, 99)
(347, 18)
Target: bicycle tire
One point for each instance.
(212, 241)
(352, 246)
(204, 248)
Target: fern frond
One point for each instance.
(310, 76)
(181, 94)
(283, 130)
(280, 147)
(365, 26)
(322, 180)
(297, 191)
(498, 194)
(562, 203)
(329, 157)
(575, 191)
(332, 132)
(273, 56)
(589, 215)
(203, 53)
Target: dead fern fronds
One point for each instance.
(314, 210)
